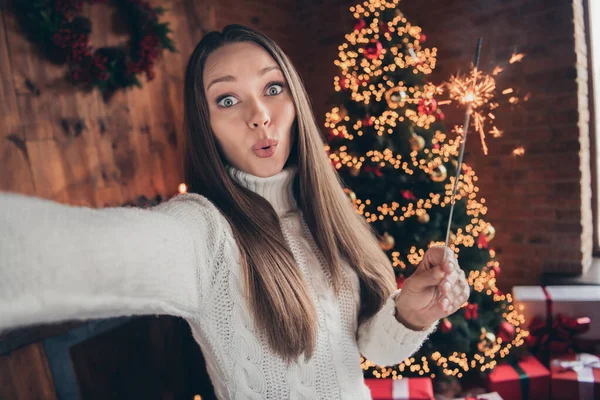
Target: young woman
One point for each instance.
(282, 282)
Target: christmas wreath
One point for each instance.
(63, 35)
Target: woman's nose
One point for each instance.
(259, 117)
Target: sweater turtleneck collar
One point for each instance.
(276, 189)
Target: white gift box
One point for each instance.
(571, 301)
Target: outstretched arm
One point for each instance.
(60, 262)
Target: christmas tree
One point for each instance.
(388, 142)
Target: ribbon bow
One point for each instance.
(583, 361)
(556, 336)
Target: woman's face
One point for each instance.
(250, 108)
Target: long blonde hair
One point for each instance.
(277, 294)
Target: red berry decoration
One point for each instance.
(482, 241)
(373, 49)
(360, 24)
(344, 82)
(66, 33)
(408, 195)
(446, 325)
(471, 311)
(427, 106)
(422, 37)
(400, 281)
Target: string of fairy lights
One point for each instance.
(366, 80)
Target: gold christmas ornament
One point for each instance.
(417, 143)
(395, 97)
(489, 232)
(354, 170)
(439, 173)
(387, 242)
(350, 194)
(424, 218)
(455, 163)
(486, 340)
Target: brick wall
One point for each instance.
(540, 203)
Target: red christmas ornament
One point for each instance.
(471, 311)
(436, 146)
(427, 106)
(367, 121)
(360, 24)
(422, 37)
(373, 49)
(446, 325)
(440, 115)
(506, 331)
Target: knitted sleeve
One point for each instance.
(60, 262)
(383, 340)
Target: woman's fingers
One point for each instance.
(453, 295)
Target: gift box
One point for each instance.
(572, 301)
(484, 396)
(527, 379)
(401, 389)
(575, 376)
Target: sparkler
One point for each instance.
(469, 98)
(479, 89)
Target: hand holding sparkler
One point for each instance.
(435, 290)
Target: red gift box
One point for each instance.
(485, 396)
(575, 376)
(526, 380)
(401, 389)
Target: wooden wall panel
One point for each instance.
(25, 375)
(14, 166)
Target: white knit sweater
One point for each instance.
(61, 262)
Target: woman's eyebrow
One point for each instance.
(230, 78)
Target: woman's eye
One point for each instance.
(276, 91)
(226, 102)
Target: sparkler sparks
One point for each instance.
(516, 58)
(478, 90)
(519, 151)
